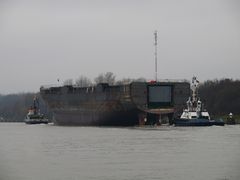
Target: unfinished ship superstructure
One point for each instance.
(136, 103)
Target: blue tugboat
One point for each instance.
(195, 115)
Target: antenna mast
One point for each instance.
(155, 44)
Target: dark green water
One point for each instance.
(47, 152)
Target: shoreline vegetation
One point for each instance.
(220, 97)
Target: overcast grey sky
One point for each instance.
(43, 40)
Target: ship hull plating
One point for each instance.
(90, 118)
(136, 103)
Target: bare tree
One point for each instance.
(108, 77)
(141, 79)
(124, 81)
(129, 80)
(83, 81)
(68, 82)
(99, 79)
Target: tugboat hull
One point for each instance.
(36, 122)
(197, 122)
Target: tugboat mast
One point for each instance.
(155, 44)
(194, 88)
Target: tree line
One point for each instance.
(14, 107)
(107, 77)
(221, 97)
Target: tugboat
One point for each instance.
(195, 114)
(34, 116)
(231, 119)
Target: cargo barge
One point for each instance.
(136, 103)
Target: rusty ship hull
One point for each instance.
(137, 103)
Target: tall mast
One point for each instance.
(155, 44)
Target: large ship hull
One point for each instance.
(124, 105)
(89, 118)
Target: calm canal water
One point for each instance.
(48, 152)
